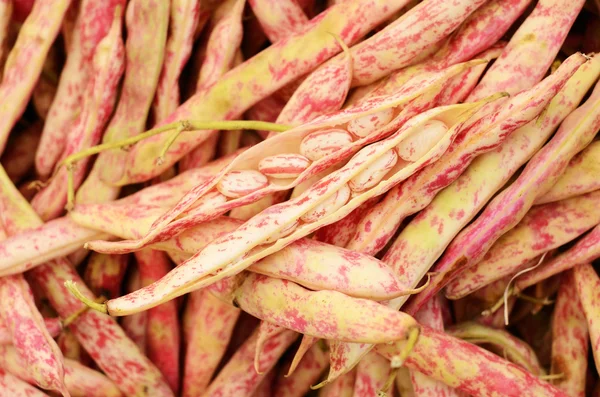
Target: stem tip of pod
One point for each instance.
(72, 287)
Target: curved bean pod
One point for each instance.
(581, 176)
(92, 23)
(569, 338)
(317, 313)
(26, 59)
(543, 228)
(461, 365)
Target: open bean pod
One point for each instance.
(327, 201)
(293, 157)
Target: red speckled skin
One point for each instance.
(279, 18)
(53, 325)
(210, 322)
(20, 152)
(254, 80)
(80, 380)
(100, 95)
(341, 387)
(587, 284)
(587, 249)
(569, 338)
(144, 53)
(39, 353)
(182, 27)
(379, 225)
(266, 331)
(531, 49)
(318, 313)
(26, 59)
(238, 377)
(581, 176)
(98, 333)
(25, 327)
(469, 368)
(14, 387)
(543, 228)
(104, 274)
(430, 315)
(162, 329)
(32, 247)
(307, 373)
(92, 23)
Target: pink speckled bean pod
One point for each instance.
(144, 54)
(422, 87)
(92, 22)
(581, 176)
(135, 325)
(307, 373)
(184, 21)
(509, 207)
(514, 349)
(223, 43)
(254, 80)
(543, 228)
(238, 377)
(18, 157)
(15, 387)
(53, 325)
(587, 284)
(367, 321)
(430, 315)
(469, 368)
(210, 322)
(104, 273)
(587, 249)
(99, 334)
(279, 19)
(531, 49)
(162, 329)
(80, 380)
(569, 338)
(6, 11)
(39, 353)
(50, 241)
(26, 59)
(217, 57)
(99, 98)
(341, 387)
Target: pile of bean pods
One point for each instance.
(299, 198)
